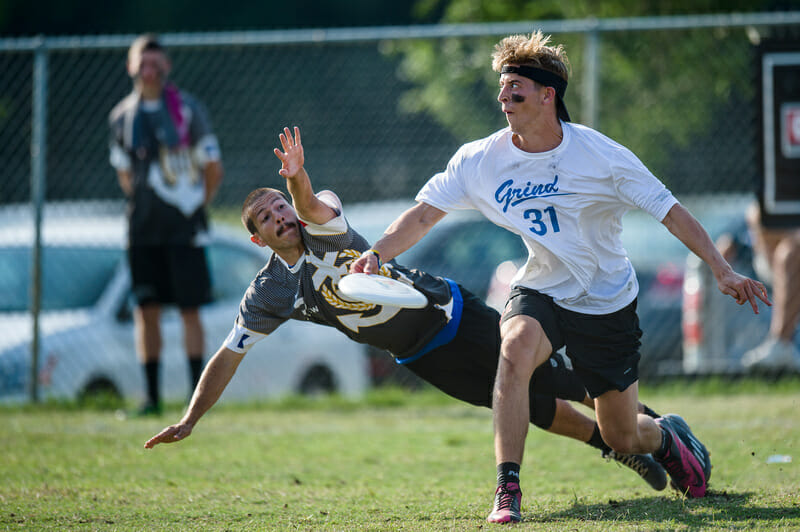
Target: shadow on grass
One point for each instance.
(718, 509)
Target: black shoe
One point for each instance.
(644, 464)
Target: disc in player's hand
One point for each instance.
(381, 290)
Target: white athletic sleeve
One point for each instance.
(337, 224)
(638, 186)
(119, 158)
(241, 339)
(207, 150)
(446, 190)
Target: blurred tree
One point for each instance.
(453, 82)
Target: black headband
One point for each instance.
(546, 78)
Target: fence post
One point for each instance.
(591, 85)
(38, 186)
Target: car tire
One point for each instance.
(100, 392)
(318, 380)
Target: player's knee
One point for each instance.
(521, 350)
(621, 442)
(787, 255)
(516, 365)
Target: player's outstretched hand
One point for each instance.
(170, 434)
(366, 263)
(744, 290)
(292, 157)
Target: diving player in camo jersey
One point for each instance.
(453, 342)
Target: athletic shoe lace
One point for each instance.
(506, 498)
(629, 460)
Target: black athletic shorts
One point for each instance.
(465, 368)
(604, 348)
(170, 275)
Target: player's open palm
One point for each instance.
(292, 157)
(170, 434)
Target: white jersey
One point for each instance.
(566, 204)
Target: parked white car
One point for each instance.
(87, 340)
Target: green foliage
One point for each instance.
(660, 91)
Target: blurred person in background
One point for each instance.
(452, 343)
(776, 261)
(564, 188)
(168, 162)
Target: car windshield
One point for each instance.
(72, 277)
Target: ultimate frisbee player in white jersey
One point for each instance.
(564, 188)
(452, 343)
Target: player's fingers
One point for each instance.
(733, 293)
(158, 438)
(751, 296)
(279, 154)
(284, 142)
(288, 135)
(297, 136)
(371, 264)
(761, 292)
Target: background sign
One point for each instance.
(780, 89)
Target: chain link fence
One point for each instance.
(383, 109)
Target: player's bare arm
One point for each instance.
(403, 233)
(125, 182)
(292, 158)
(688, 230)
(212, 174)
(215, 378)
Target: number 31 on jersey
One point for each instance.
(539, 221)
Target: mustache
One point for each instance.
(282, 229)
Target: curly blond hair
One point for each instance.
(533, 51)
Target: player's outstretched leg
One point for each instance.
(644, 465)
(507, 504)
(686, 459)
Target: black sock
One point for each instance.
(650, 412)
(597, 441)
(151, 376)
(666, 442)
(507, 472)
(195, 369)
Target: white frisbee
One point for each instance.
(381, 290)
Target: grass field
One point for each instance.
(394, 461)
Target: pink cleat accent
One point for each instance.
(507, 502)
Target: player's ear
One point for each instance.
(257, 241)
(550, 94)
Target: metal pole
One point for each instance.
(591, 83)
(38, 185)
